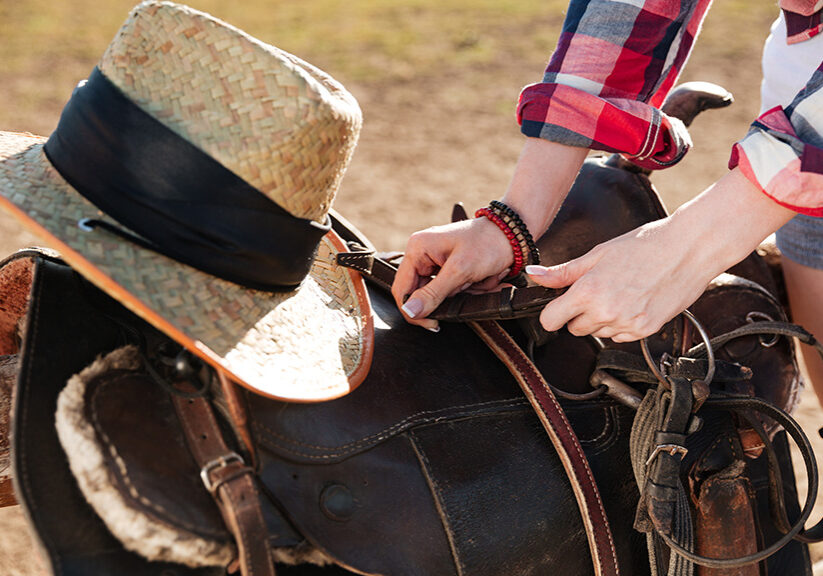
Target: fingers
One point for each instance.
(597, 302)
(411, 274)
(561, 311)
(561, 275)
(444, 260)
(407, 278)
(569, 306)
(416, 267)
(428, 296)
(585, 312)
(489, 284)
(463, 288)
(619, 338)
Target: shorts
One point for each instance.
(786, 69)
(801, 240)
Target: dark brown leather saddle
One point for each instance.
(436, 464)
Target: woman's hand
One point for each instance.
(471, 253)
(444, 260)
(627, 288)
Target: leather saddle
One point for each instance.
(436, 464)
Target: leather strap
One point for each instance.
(230, 482)
(632, 368)
(238, 415)
(748, 404)
(563, 438)
(660, 494)
(510, 302)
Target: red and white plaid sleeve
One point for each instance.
(783, 152)
(615, 62)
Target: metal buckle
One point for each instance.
(753, 317)
(670, 449)
(219, 462)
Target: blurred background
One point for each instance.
(437, 80)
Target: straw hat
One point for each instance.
(191, 178)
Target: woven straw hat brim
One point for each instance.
(309, 344)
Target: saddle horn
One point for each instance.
(691, 98)
(685, 102)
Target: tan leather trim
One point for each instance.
(239, 415)
(725, 523)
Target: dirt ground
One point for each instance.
(450, 136)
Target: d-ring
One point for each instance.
(647, 355)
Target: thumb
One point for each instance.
(425, 299)
(561, 275)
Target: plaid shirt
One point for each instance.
(616, 61)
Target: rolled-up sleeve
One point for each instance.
(782, 153)
(615, 62)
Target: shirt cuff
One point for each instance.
(784, 167)
(805, 23)
(568, 115)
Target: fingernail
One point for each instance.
(413, 307)
(405, 297)
(465, 286)
(534, 270)
(434, 329)
(503, 274)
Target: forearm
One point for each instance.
(726, 222)
(544, 174)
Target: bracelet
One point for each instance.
(512, 224)
(517, 266)
(517, 226)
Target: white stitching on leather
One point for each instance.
(351, 447)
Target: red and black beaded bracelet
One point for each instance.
(521, 241)
(517, 225)
(519, 257)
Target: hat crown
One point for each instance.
(283, 126)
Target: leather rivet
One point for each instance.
(337, 502)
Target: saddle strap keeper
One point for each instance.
(230, 481)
